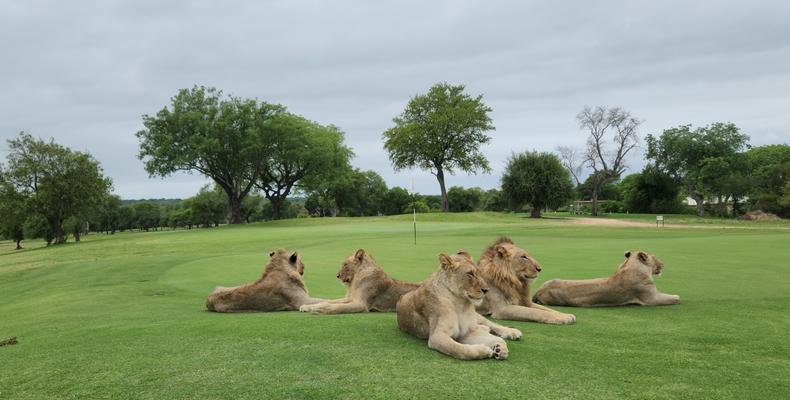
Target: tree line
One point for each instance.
(259, 156)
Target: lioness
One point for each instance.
(509, 272)
(280, 288)
(631, 284)
(442, 310)
(369, 288)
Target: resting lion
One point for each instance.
(442, 310)
(369, 288)
(509, 272)
(280, 288)
(631, 284)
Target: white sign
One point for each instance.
(659, 217)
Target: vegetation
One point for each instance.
(441, 131)
(537, 179)
(122, 316)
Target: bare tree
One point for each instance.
(607, 162)
(572, 160)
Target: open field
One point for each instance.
(123, 316)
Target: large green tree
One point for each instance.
(684, 153)
(57, 182)
(219, 137)
(770, 173)
(301, 152)
(441, 131)
(651, 191)
(537, 179)
(13, 212)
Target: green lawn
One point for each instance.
(123, 316)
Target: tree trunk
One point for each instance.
(700, 205)
(18, 245)
(234, 208)
(277, 204)
(440, 178)
(76, 235)
(535, 213)
(594, 210)
(57, 233)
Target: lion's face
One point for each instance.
(523, 265)
(648, 260)
(463, 276)
(351, 266)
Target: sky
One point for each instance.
(84, 73)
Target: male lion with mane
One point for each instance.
(281, 288)
(631, 284)
(369, 288)
(509, 271)
(442, 310)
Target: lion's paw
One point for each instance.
(500, 352)
(511, 334)
(306, 307)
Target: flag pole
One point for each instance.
(414, 210)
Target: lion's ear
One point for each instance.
(271, 254)
(627, 254)
(465, 254)
(360, 255)
(502, 251)
(446, 261)
(642, 256)
(294, 257)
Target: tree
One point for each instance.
(537, 179)
(396, 200)
(207, 207)
(440, 131)
(222, 139)
(57, 182)
(606, 191)
(301, 152)
(13, 212)
(770, 172)
(110, 214)
(146, 215)
(608, 164)
(651, 191)
(681, 152)
(572, 160)
(465, 200)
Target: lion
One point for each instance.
(509, 272)
(631, 284)
(369, 288)
(280, 288)
(442, 310)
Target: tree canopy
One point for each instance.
(224, 139)
(441, 131)
(537, 179)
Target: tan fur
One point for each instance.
(509, 271)
(369, 288)
(631, 284)
(280, 288)
(442, 310)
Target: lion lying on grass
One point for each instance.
(442, 310)
(509, 272)
(369, 288)
(631, 284)
(280, 288)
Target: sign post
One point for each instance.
(659, 218)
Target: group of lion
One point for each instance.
(449, 307)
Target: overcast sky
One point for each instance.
(84, 73)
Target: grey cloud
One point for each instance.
(84, 73)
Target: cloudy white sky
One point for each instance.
(84, 73)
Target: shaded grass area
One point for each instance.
(122, 316)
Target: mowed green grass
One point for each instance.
(123, 316)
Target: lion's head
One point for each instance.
(353, 264)
(645, 260)
(285, 261)
(510, 268)
(460, 275)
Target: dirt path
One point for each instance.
(609, 222)
(639, 224)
